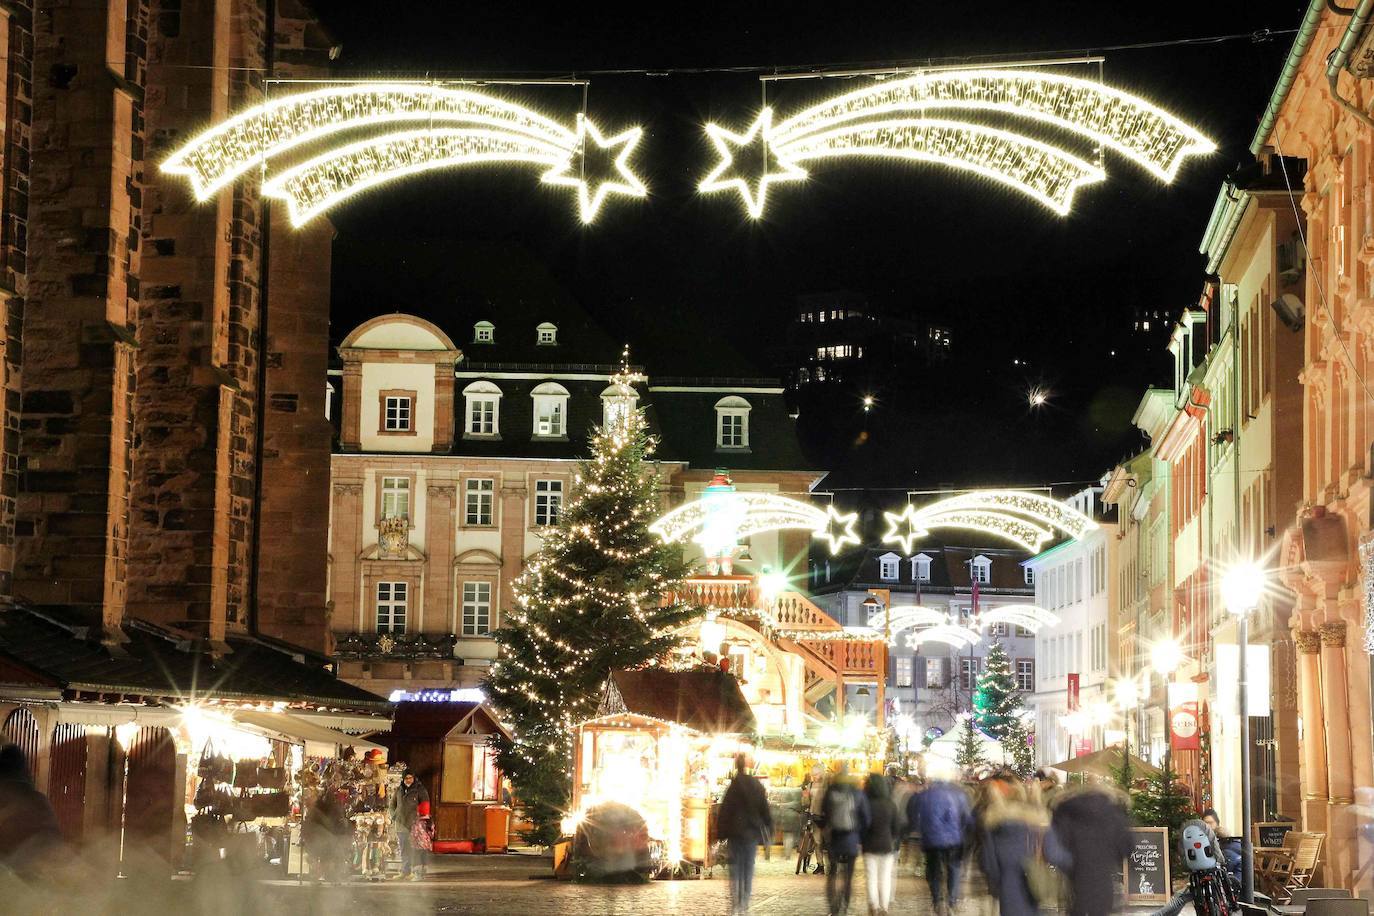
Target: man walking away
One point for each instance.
(1011, 828)
(882, 836)
(846, 813)
(942, 815)
(745, 821)
(1089, 837)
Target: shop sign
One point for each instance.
(1073, 692)
(1184, 728)
(1082, 747)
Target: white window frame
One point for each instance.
(980, 570)
(1000, 629)
(935, 673)
(1028, 574)
(550, 411)
(920, 568)
(732, 423)
(395, 491)
(546, 334)
(616, 403)
(394, 597)
(904, 670)
(889, 567)
(479, 502)
(398, 413)
(1025, 674)
(968, 673)
(481, 408)
(548, 502)
(475, 608)
(484, 332)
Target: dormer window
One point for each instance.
(732, 423)
(482, 411)
(1029, 574)
(980, 570)
(546, 335)
(550, 410)
(617, 401)
(484, 332)
(887, 567)
(920, 568)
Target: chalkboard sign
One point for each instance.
(1145, 872)
(1271, 833)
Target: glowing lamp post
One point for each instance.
(1241, 588)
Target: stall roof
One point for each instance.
(318, 740)
(422, 719)
(706, 699)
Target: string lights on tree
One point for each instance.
(901, 119)
(437, 126)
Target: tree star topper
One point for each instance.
(406, 128)
(749, 163)
(594, 172)
(970, 120)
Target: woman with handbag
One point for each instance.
(1012, 829)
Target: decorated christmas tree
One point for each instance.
(968, 753)
(996, 701)
(1019, 745)
(1163, 802)
(590, 601)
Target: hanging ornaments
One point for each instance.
(892, 119)
(446, 127)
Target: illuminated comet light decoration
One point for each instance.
(941, 118)
(923, 624)
(409, 128)
(1023, 517)
(718, 518)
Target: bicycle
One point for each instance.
(807, 847)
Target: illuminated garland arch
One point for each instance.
(890, 118)
(1028, 616)
(460, 127)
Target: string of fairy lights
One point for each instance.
(973, 119)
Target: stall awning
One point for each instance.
(345, 722)
(318, 740)
(109, 715)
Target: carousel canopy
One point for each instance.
(705, 699)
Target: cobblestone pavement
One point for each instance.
(521, 886)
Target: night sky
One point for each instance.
(698, 288)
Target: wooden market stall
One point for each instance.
(446, 744)
(662, 743)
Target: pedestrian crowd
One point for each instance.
(1039, 846)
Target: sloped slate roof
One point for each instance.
(706, 699)
(948, 568)
(156, 664)
(688, 422)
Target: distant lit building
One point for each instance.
(837, 338)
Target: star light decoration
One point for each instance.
(1021, 516)
(752, 513)
(892, 119)
(437, 127)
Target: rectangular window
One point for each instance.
(731, 434)
(1023, 633)
(548, 501)
(920, 569)
(968, 673)
(1029, 575)
(935, 672)
(980, 572)
(999, 629)
(904, 670)
(395, 497)
(392, 600)
(482, 416)
(398, 410)
(476, 608)
(888, 569)
(1025, 674)
(548, 420)
(480, 496)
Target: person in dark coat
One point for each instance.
(845, 811)
(943, 817)
(744, 820)
(404, 812)
(881, 837)
(1010, 833)
(1229, 845)
(327, 835)
(1089, 837)
(28, 824)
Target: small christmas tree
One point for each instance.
(589, 601)
(996, 701)
(1019, 745)
(1162, 802)
(968, 753)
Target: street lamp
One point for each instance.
(1241, 588)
